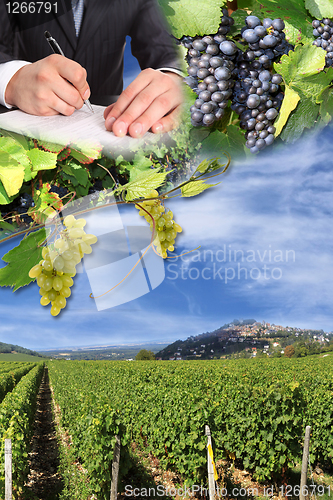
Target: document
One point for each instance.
(82, 128)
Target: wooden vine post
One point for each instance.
(8, 469)
(305, 463)
(115, 469)
(210, 464)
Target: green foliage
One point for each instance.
(320, 8)
(257, 410)
(21, 259)
(192, 17)
(17, 413)
(144, 355)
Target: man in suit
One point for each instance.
(95, 55)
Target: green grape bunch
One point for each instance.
(55, 271)
(166, 228)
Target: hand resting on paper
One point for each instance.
(151, 102)
(42, 88)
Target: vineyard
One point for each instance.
(257, 411)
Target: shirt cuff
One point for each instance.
(7, 71)
(173, 70)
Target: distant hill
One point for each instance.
(223, 341)
(16, 349)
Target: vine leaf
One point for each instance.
(289, 103)
(21, 259)
(144, 184)
(85, 154)
(195, 187)
(11, 173)
(297, 22)
(192, 17)
(45, 204)
(51, 147)
(326, 106)
(140, 164)
(320, 8)
(75, 173)
(42, 160)
(304, 61)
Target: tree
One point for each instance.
(144, 355)
(289, 351)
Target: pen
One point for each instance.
(57, 50)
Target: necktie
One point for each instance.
(77, 6)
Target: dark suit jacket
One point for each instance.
(100, 45)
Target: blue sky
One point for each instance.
(274, 214)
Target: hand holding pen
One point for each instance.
(50, 86)
(57, 50)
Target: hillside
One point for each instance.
(249, 338)
(11, 349)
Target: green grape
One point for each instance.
(55, 310)
(52, 295)
(48, 284)
(60, 301)
(44, 300)
(58, 263)
(85, 248)
(41, 279)
(67, 281)
(168, 223)
(177, 227)
(90, 239)
(67, 255)
(69, 220)
(59, 243)
(75, 233)
(168, 215)
(161, 235)
(161, 222)
(65, 292)
(79, 223)
(45, 252)
(35, 271)
(57, 283)
(42, 291)
(47, 265)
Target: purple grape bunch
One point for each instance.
(257, 95)
(210, 68)
(323, 31)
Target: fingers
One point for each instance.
(144, 103)
(50, 86)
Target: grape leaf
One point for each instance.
(21, 259)
(143, 184)
(231, 143)
(78, 174)
(297, 22)
(195, 187)
(51, 147)
(304, 116)
(18, 152)
(5, 225)
(304, 61)
(21, 139)
(320, 8)
(42, 160)
(11, 173)
(289, 103)
(140, 164)
(45, 204)
(85, 154)
(192, 17)
(4, 198)
(326, 106)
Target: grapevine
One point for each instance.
(55, 271)
(166, 227)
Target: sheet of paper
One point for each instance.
(82, 127)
